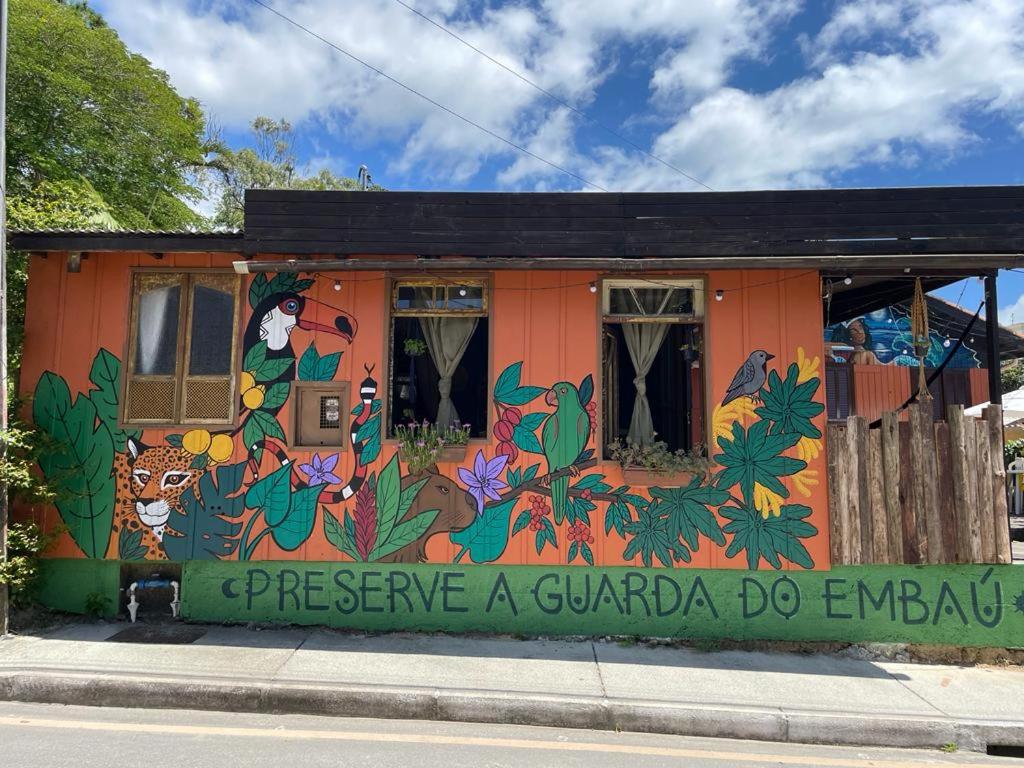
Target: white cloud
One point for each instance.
(863, 107)
(1014, 313)
(887, 82)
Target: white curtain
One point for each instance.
(447, 339)
(643, 340)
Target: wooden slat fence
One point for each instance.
(918, 490)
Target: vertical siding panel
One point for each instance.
(509, 317)
(725, 348)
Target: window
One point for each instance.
(182, 350)
(838, 390)
(652, 355)
(439, 353)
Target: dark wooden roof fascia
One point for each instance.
(967, 221)
(156, 242)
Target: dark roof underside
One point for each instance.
(155, 242)
(928, 220)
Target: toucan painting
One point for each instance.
(276, 316)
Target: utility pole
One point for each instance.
(4, 592)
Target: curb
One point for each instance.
(510, 708)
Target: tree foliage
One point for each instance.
(269, 164)
(85, 111)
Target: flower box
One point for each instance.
(643, 477)
(449, 454)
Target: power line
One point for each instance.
(553, 97)
(426, 98)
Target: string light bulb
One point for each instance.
(593, 287)
(946, 343)
(337, 285)
(719, 294)
(462, 290)
(848, 280)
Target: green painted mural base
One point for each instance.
(67, 584)
(975, 605)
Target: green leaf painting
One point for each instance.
(526, 440)
(487, 536)
(105, 375)
(770, 537)
(276, 395)
(755, 456)
(261, 286)
(650, 538)
(129, 545)
(790, 406)
(272, 494)
(389, 492)
(338, 535)
(262, 367)
(404, 533)
(79, 463)
(297, 524)
(688, 510)
(209, 519)
(313, 367)
(507, 390)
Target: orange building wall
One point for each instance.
(879, 388)
(548, 320)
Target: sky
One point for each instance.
(662, 95)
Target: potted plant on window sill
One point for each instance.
(655, 464)
(421, 445)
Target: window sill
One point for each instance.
(642, 477)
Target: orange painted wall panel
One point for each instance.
(979, 385)
(880, 388)
(549, 322)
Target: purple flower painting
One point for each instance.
(321, 471)
(482, 482)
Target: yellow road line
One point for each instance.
(471, 741)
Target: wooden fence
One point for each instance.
(918, 490)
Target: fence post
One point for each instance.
(835, 436)
(958, 461)
(919, 543)
(856, 479)
(891, 468)
(929, 466)
(876, 485)
(1001, 520)
(944, 481)
(986, 503)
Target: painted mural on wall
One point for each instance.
(883, 337)
(188, 498)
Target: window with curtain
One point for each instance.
(180, 366)
(439, 354)
(652, 362)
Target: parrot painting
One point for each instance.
(564, 436)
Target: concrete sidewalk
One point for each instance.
(738, 694)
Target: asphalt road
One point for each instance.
(53, 736)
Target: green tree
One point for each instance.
(85, 111)
(1012, 376)
(269, 164)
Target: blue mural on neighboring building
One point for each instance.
(883, 338)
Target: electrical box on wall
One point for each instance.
(320, 418)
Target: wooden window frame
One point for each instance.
(699, 285)
(393, 281)
(181, 368)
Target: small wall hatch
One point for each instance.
(320, 417)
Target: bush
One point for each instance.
(20, 571)
(657, 457)
(1012, 450)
